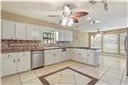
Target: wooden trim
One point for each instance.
(30, 20)
(89, 40)
(119, 44)
(114, 31)
(102, 40)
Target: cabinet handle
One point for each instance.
(14, 60)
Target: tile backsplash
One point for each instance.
(20, 44)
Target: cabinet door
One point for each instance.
(38, 33)
(90, 57)
(30, 32)
(84, 57)
(68, 35)
(66, 55)
(20, 31)
(57, 55)
(8, 64)
(24, 61)
(7, 29)
(60, 35)
(76, 55)
(48, 57)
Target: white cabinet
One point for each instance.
(7, 29)
(87, 56)
(68, 35)
(48, 57)
(30, 32)
(34, 32)
(38, 33)
(66, 54)
(20, 31)
(15, 62)
(24, 61)
(60, 35)
(57, 55)
(52, 56)
(8, 64)
(93, 57)
(64, 35)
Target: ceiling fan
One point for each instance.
(92, 2)
(68, 17)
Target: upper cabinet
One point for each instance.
(68, 35)
(60, 35)
(63, 35)
(20, 31)
(8, 29)
(30, 32)
(38, 32)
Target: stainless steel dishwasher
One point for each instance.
(37, 59)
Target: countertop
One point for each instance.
(45, 48)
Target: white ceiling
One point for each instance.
(116, 17)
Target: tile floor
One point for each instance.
(110, 72)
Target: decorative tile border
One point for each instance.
(45, 82)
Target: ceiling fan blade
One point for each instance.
(79, 14)
(105, 4)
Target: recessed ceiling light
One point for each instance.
(97, 21)
(88, 18)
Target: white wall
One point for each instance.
(80, 39)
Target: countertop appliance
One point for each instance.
(126, 50)
(37, 59)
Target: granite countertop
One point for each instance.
(51, 48)
(44, 48)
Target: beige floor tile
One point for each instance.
(27, 76)
(34, 81)
(67, 79)
(81, 80)
(11, 80)
(53, 78)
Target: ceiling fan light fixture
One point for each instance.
(88, 18)
(67, 10)
(64, 21)
(70, 23)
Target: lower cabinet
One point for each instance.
(57, 55)
(66, 54)
(52, 56)
(48, 57)
(24, 62)
(8, 64)
(80, 55)
(12, 63)
(90, 57)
